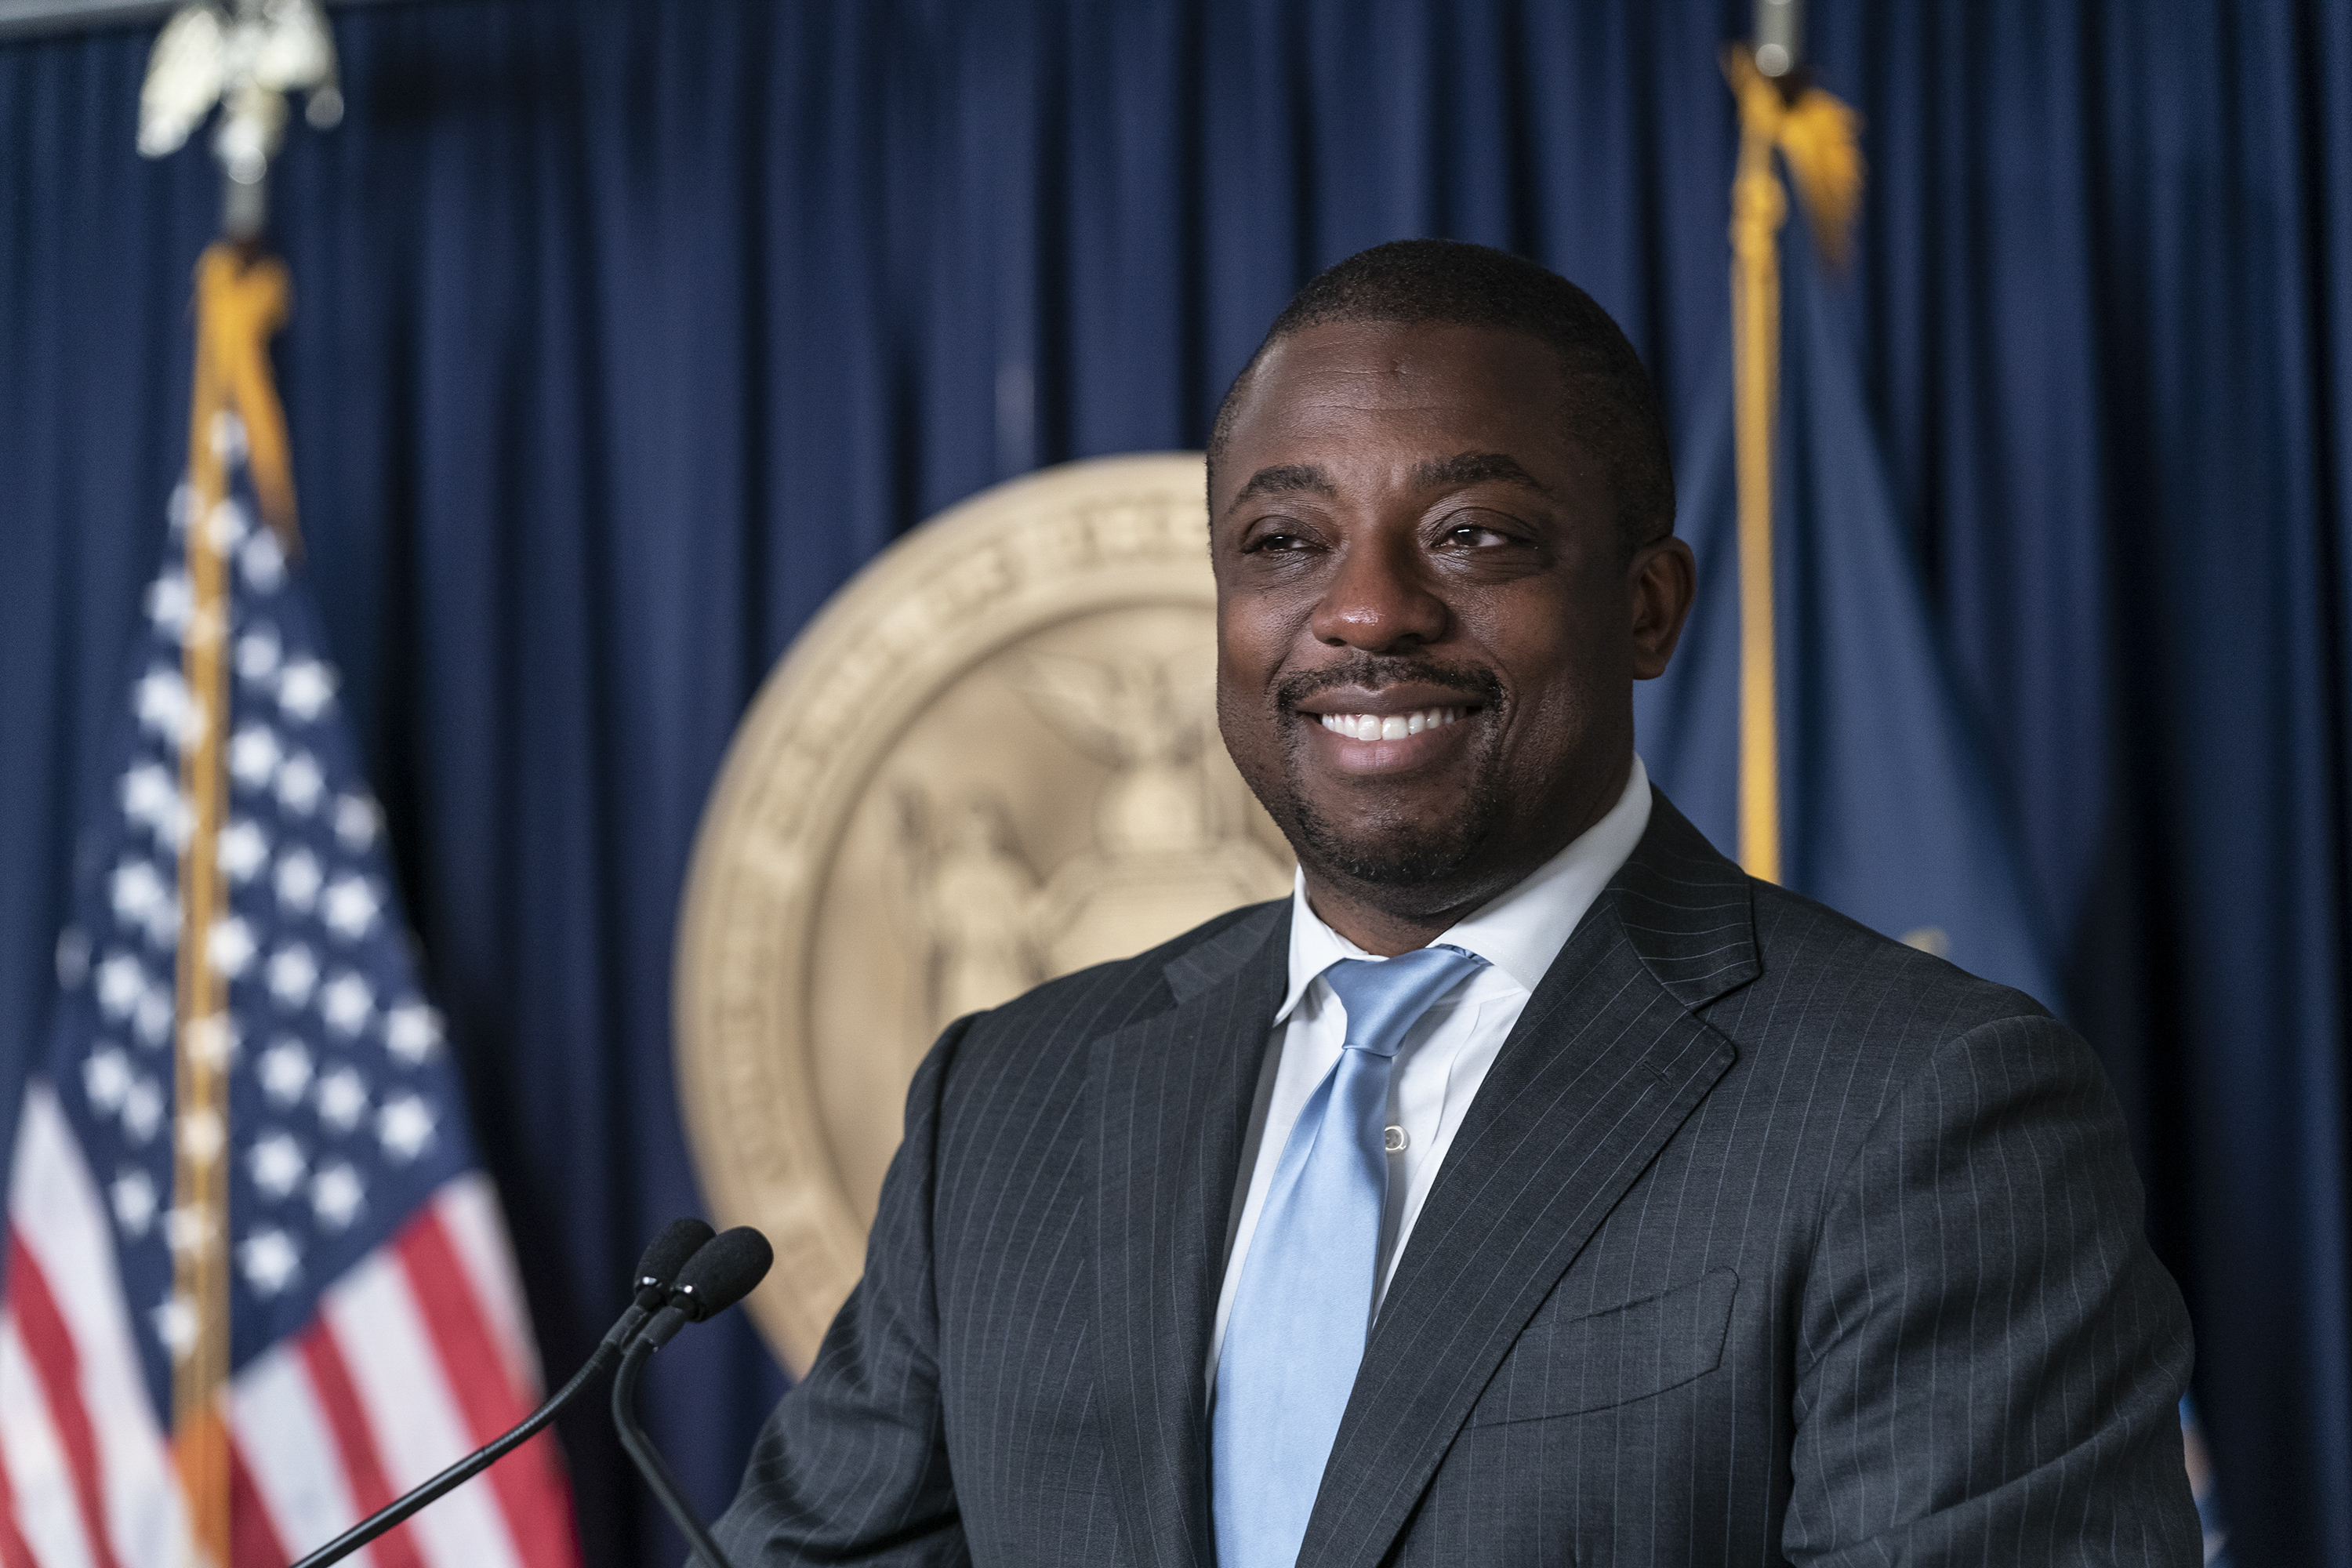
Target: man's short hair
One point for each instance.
(1610, 407)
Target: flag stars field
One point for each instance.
(337, 1196)
(151, 1019)
(347, 1003)
(132, 1196)
(357, 823)
(305, 689)
(405, 1127)
(252, 755)
(349, 908)
(142, 1110)
(263, 562)
(243, 850)
(166, 708)
(300, 783)
(286, 1072)
(142, 898)
(342, 1098)
(168, 603)
(258, 653)
(122, 982)
(277, 1164)
(231, 947)
(292, 975)
(269, 1261)
(296, 880)
(152, 799)
(411, 1031)
(106, 1079)
(176, 1325)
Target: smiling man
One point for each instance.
(1531, 1186)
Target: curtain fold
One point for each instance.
(626, 331)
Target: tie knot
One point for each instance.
(1383, 996)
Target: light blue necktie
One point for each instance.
(1296, 1331)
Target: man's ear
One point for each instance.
(1660, 582)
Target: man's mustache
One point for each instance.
(1373, 672)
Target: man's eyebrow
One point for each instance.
(1477, 467)
(1286, 478)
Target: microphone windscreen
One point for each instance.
(668, 1253)
(723, 1273)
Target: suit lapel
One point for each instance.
(1174, 1098)
(1604, 1064)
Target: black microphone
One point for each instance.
(666, 1258)
(714, 1279)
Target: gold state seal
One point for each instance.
(992, 759)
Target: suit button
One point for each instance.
(1394, 1140)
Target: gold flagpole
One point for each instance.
(1757, 210)
(240, 303)
(207, 54)
(1816, 135)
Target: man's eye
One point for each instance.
(1275, 542)
(1473, 534)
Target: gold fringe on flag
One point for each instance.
(1816, 135)
(240, 301)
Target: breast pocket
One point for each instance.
(1604, 1359)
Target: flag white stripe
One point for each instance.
(418, 1427)
(290, 1452)
(48, 1514)
(55, 1207)
(468, 1208)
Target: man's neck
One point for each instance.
(1387, 921)
(1380, 932)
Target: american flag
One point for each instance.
(256, 1285)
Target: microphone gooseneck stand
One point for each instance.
(664, 1260)
(649, 1461)
(715, 1278)
(464, 1471)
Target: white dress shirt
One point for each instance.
(1448, 1051)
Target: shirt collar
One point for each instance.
(1519, 931)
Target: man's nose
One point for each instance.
(1379, 598)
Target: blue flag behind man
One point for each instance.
(1889, 812)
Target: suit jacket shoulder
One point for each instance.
(1874, 1017)
(1062, 1018)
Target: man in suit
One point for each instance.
(1532, 1186)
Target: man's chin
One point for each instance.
(1394, 857)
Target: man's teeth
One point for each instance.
(1389, 726)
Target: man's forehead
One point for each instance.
(1451, 472)
(1443, 386)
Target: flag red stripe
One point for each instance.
(57, 1365)
(363, 1467)
(13, 1553)
(530, 1482)
(252, 1538)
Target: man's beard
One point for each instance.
(1380, 859)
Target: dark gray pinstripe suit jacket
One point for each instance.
(1766, 1240)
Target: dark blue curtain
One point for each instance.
(625, 332)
